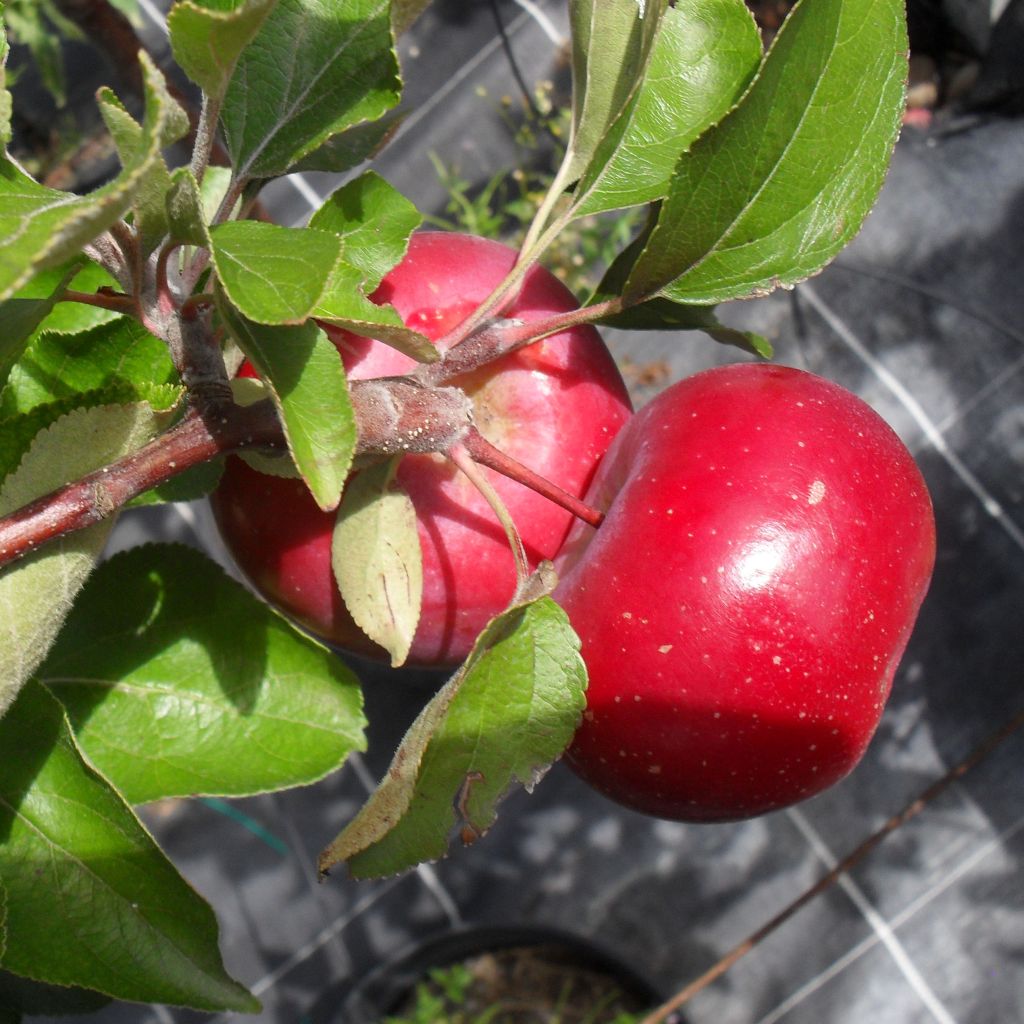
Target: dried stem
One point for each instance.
(663, 1012)
(461, 457)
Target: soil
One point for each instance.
(534, 985)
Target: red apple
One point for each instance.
(554, 405)
(744, 605)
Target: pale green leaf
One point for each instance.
(704, 56)
(782, 183)
(273, 274)
(5, 94)
(308, 385)
(314, 69)
(41, 227)
(71, 317)
(376, 557)
(405, 12)
(37, 591)
(219, 694)
(186, 217)
(18, 430)
(207, 37)
(502, 718)
(91, 898)
(149, 209)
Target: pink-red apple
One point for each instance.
(554, 406)
(744, 605)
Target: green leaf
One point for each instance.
(149, 209)
(20, 318)
(218, 694)
(18, 431)
(504, 716)
(351, 147)
(308, 385)
(376, 557)
(92, 901)
(782, 183)
(611, 44)
(71, 317)
(663, 314)
(272, 274)
(37, 591)
(374, 221)
(280, 108)
(186, 216)
(343, 304)
(41, 227)
(704, 56)
(57, 366)
(207, 37)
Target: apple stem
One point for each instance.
(911, 810)
(116, 301)
(462, 458)
(482, 451)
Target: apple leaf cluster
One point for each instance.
(126, 315)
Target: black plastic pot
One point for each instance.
(384, 991)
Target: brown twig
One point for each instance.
(663, 1012)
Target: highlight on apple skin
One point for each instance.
(554, 406)
(745, 604)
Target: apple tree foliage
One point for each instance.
(123, 314)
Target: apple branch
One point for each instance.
(393, 416)
(94, 497)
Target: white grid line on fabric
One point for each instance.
(878, 924)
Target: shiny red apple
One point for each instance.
(744, 605)
(554, 406)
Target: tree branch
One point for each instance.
(392, 416)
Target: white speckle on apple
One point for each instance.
(817, 492)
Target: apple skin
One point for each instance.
(743, 607)
(555, 406)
